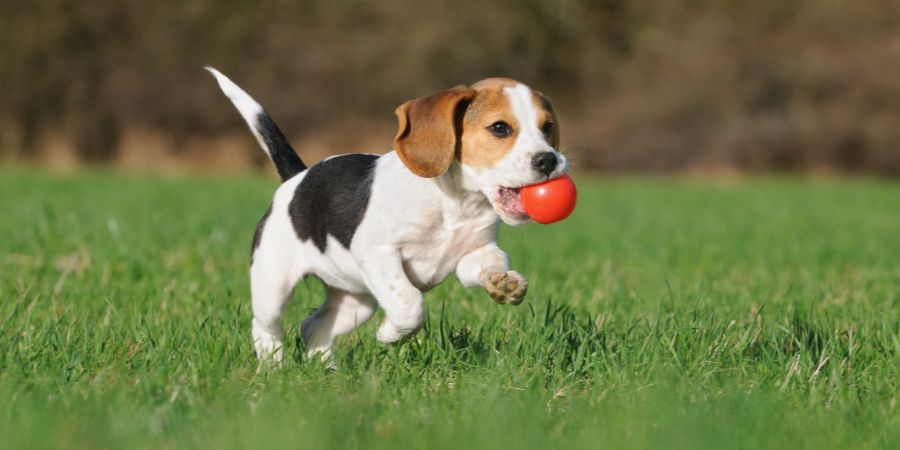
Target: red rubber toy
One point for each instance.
(550, 201)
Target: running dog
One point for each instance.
(379, 231)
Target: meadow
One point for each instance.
(665, 313)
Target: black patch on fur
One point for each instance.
(283, 156)
(257, 235)
(332, 199)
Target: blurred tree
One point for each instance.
(654, 85)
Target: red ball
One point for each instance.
(550, 201)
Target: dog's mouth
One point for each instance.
(509, 205)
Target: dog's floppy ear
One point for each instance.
(429, 130)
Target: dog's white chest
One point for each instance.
(431, 254)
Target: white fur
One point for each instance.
(415, 232)
(246, 106)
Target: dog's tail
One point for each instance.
(270, 138)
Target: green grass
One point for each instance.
(665, 313)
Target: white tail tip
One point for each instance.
(241, 100)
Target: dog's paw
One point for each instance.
(388, 333)
(507, 287)
(269, 348)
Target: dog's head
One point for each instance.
(502, 134)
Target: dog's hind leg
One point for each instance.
(341, 313)
(271, 285)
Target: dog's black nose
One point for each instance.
(544, 162)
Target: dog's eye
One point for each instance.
(500, 129)
(547, 129)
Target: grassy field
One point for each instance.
(665, 313)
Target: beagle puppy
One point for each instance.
(378, 231)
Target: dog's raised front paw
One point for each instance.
(507, 287)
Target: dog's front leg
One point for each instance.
(402, 302)
(488, 266)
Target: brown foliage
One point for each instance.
(763, 85)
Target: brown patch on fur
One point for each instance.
(494, 84)
(547, 113)
(481, 149)
(454, 123)
(429, 130)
